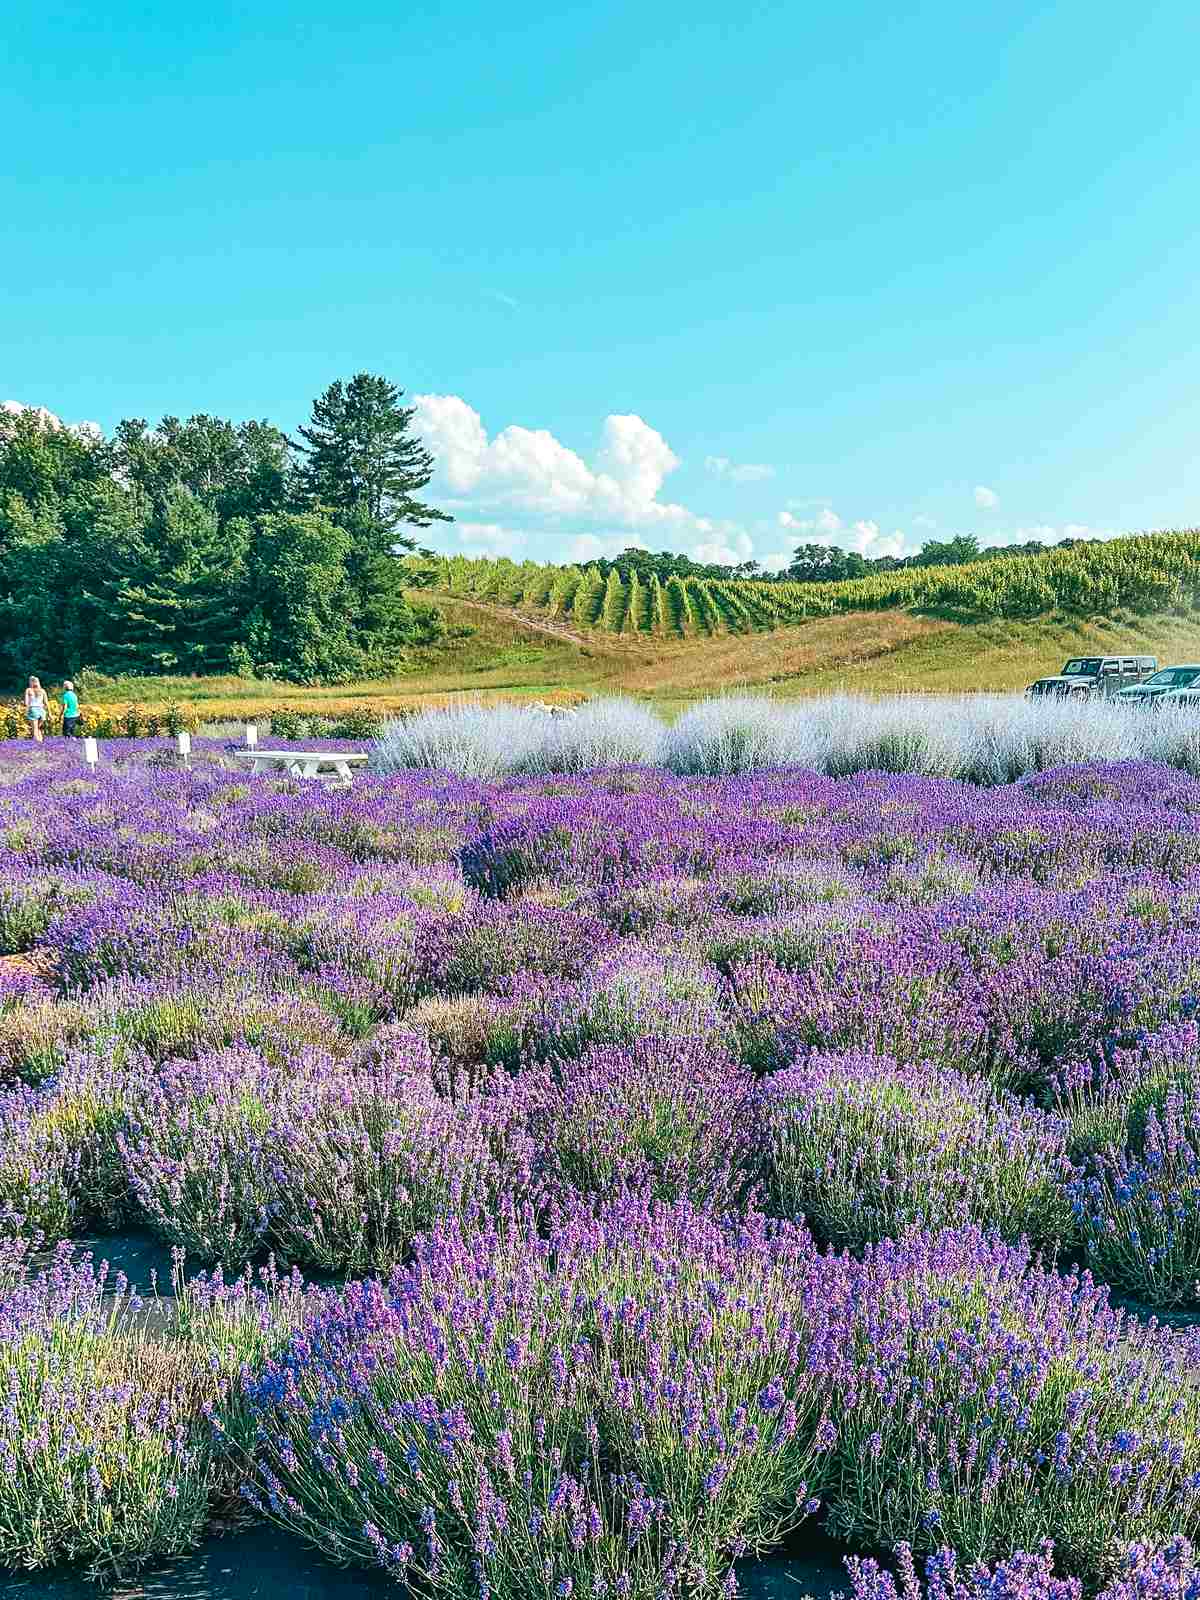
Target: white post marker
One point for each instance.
(90, 753)
(185, 746)
(251, 736)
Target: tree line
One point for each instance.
(818, 563)
(205, 545)
(824, 563)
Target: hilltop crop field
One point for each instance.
(589, 1183)
(518, 633)
(1148, 574)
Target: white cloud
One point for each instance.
(528, 469)
(637, 458)
(729, 551)
(863, 536)
(489, 538)
(867, 539)
(777, 562)
(738, 472)
(455, 434)
(826, 522)
(503, 299)
(592, 547)
(91, 432)
(14, 408)
(986, 499)
(891, 544)
(922, 521)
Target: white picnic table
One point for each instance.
(305, 763)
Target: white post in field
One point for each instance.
(90, 752)
(251, 736)
(185, 746)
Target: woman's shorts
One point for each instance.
(35, 715)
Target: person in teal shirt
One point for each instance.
(70, 702)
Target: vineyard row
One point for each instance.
(1158, 572)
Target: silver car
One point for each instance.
(1173, 685)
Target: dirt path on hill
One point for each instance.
(552, 630)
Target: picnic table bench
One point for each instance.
(305, 763)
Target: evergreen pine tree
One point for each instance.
(359, 454)
(637, 618)
(658, 605)
(170, 599)
(562, 591)
(588, 598)
(614, 602)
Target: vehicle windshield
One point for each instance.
(1174, 678)
(1082, 667)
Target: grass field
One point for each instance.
(507, 656)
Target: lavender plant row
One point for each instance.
(688, 1160)
(983, 738)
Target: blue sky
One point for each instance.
(702, 277)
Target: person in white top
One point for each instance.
(35, 707)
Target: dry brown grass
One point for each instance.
(691, 668)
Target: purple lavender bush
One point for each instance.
(638, 992)
(1143, 1573)
(585, 1414)
(1138, 1210)
(331, 1165)
(672, 1116)
(235, 1326)
(990, 1404)
(363, 1162)
(201, 1153)
(1031, 1576)
(104, 1452)
(432, 1025)
(863, 1149)
(37, 1033)
(1107, 1097)
(60, 1164)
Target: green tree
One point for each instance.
(588, 597)
(948, 552)
(638, 618)
(236, 470)
(359, 454)
(825, 563)
(42, 464)
(55, 493)
(615, 601)
(300, 616)
(169, 598)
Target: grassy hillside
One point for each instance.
(540, 632)
(509, 657)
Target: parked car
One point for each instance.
(1171, 686)
(1097, 675)
(1066, 688)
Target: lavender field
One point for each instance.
(593, 1183)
